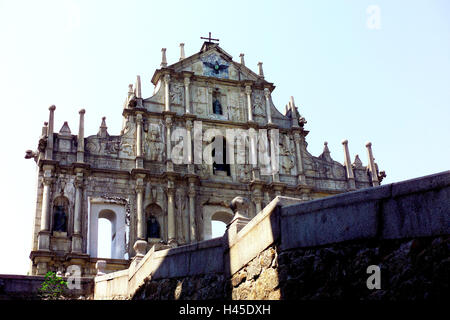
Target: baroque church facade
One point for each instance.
(155, 181)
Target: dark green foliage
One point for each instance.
(53, 287)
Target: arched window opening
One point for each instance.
(224, 166)
(219, 222)
(217, 228)
(104, 238)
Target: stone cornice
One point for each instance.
(47, 162)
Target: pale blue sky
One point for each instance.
(389, 86)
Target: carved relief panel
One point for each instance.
(127, 147)
(199, 100)
(287, 155)
(154, 141)
(235, 106)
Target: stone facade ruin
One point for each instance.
(153, 181)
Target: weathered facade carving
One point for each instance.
(133, 180)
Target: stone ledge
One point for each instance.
(413, 208)
(430, 182)
(257, 235)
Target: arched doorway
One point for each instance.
(219, 222)
(106, 229)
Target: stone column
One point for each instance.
(189, 141)
(257, 199)
(77, 236)
(187, 96)
(141, 226)
(49, 148)
(253, 152)
(268, 110)
(372, 168)
(348, 166)
(298, 152)
(168, 138)
(171, 213)
(44, 234)
(139, 135)
(80, 148)
(139, 159)
(192, 229)
(166, 92)
(248, 92)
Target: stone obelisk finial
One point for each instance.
(80, 148)
(103, 130)
(348, 166)
(138, 92)
(372, 168)
(163, 59)
(242, 59)
(260, 70)
(182, 56)
(293, 112)
(49, 149)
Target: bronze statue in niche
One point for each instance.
(59, 219)
(153, 230)
(217, 106)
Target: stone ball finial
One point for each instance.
(345, 141)
(101, 267)
(52, 107)
(369, 144)
(240, 205)
(45, 123)
(82, 111)
(140, 246)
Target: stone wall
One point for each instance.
(20, 287)
(412, 269)
(316, 250)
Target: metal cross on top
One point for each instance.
(209, 38)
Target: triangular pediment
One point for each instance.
(213, 61)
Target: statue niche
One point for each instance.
(154, 216)
(60, 214)
(217, 106)
(153, 229)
